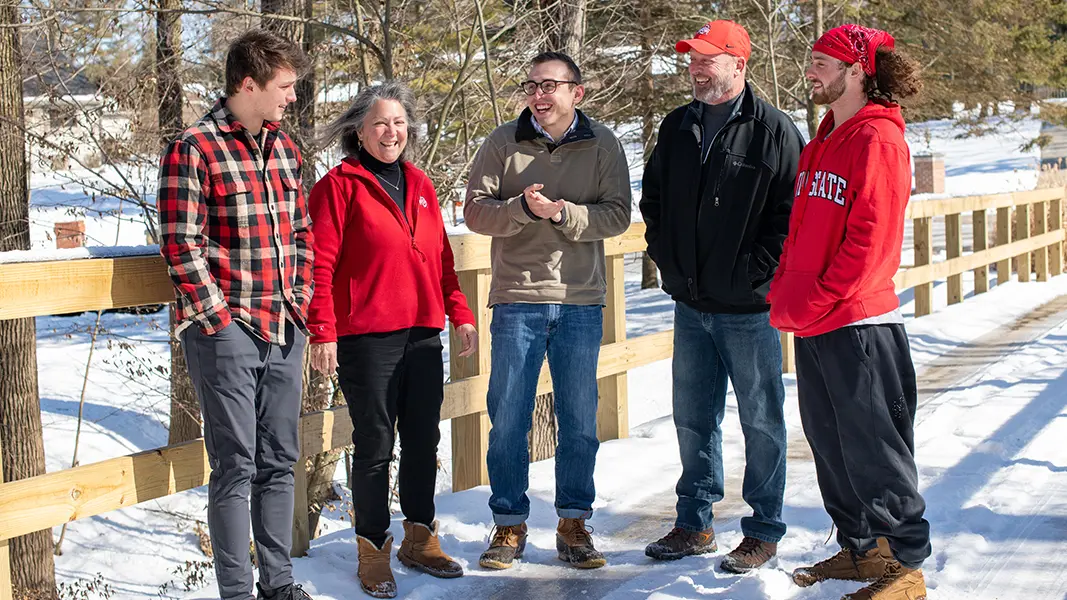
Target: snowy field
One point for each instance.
(990, 451)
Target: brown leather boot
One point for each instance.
(508, 544)
(375, 574)
(750, 554)
(846, 565)
(898, 583)
(421, 550)
(574, 545)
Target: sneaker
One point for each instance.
(680, 543)
(289, 592)
(750, 554)
(846, 565)
(898, 583)
(507, 544)
(574, 545)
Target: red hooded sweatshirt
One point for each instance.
(847, 224)
(376, 271)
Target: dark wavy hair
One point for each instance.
(897, 76)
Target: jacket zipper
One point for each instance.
(700, 201)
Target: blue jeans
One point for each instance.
(708, 348)
(521, 335)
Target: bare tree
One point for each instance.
(21, 441)
(184, 406)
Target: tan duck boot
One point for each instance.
(847, 565)
(421, 550)
(898, 583)
(375, 574)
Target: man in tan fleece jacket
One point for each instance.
(549, 187)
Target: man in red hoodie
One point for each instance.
(835, 291)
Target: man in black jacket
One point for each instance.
(716, 197)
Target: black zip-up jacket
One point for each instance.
(717, 252)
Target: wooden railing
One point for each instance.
(45, 288)
(34, 289)
(1037, 233)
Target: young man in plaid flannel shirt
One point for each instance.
(237, 240)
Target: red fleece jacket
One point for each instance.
(847, 224)
(376, 271)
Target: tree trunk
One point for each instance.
(300, 125)
(185, 418)
(168, 66)
(184, 406)
(21, 442)
(813, 110)
(542, 438)
(563, 24)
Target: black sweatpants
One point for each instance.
(389, 379)
(857, 404)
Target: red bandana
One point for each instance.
(854, 43)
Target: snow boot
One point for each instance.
(750, 554)
(680, 543)
(507, 544)
(898, 583)
(421, 550)
(847, 565)
(375, 574)
(574, 545)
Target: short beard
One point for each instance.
(716, 89)
(831, 91)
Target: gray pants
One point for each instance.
(249, 393)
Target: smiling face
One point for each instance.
(828, 78)
(556, 109)
(269, 102)
(385, 130)
(714, 76)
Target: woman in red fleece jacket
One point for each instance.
(834, 289)
(384, 279)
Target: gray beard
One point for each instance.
(716, 88)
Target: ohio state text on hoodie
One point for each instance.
(847, 224)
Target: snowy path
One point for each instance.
(989, 431)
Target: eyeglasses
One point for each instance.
(547, 86)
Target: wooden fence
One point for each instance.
(34, 289)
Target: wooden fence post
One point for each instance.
(301, 522)
(613, 417)
(470, 433)
(980, 241)
(954, 249)
(924, 243)
(1041, 226)
(1022, 231)
(1056, 250)
(789, 364)
(5, 556)
(1004, 238)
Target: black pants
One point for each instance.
(857, 403)
(392, 379)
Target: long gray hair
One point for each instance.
(347, 126)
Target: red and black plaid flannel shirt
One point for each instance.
(236, 231)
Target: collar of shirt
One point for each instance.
(541, 130)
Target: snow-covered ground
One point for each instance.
(990, 453)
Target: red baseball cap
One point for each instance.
(717, 37)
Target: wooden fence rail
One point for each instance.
(35, 289)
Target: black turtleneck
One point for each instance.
(390, 176)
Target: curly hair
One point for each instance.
(897, 76)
